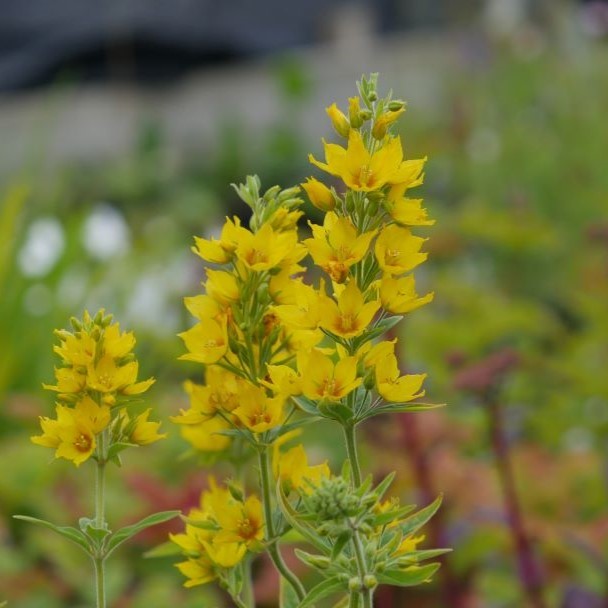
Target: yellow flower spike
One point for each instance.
(241, 522)
(145, 432)
(222, 286)
(338, 120)
(77, 350)
(364, 172)
(396, 388)
(207, 342)
(295, 472)
(398, 250)
(69, 381)
(319, 194)
(206, 435)
(198, 571)
(225, 555)
(220, 251)
(351, 315)
(265, 249)
(257, 411)
(383, 122)
(336, 246)
(322, 379)
(399, 295)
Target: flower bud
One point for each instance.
(382, 123)
(354, 112)
(338, 120)
(319, 194)
(370, 581)
(396, 105)
(354, 584)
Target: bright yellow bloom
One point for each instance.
(204, 307)
(354, 110)
(399, 295)
(68, 381)
(198, 571)
(144, 431)
(220, 251)
(108, 377)
(116, 344)
(351, 315)
(406, 211)
(205, 435)
(76, 349)
(409, 544)
(362, 171)
(266, 249)
(394, 387)
(398, 250)
(319, 194)
(293, 470)
(257, 411)
(305, 312)
(222, 286)
(338, 120)
(241, 522)
(283, 220)
(336, 246)
(372, 355)
(207, 342)
(284, 381)
(225, 555)
(322, 379)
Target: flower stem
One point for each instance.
(365, 592)
(247, 590)
(100, 488)
(100, 582)
(273, 549)
(351, 451)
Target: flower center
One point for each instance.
(83, 443)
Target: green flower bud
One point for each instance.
(354, 584)
(396, 105)
(370, 581)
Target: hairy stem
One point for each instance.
(366, 594)
(100, 522)
(100, 593)
(273, 549)
(351, 451)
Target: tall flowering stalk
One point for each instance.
(96, 419)
(279, 352)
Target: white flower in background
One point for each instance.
(43, 246)
(105, 233)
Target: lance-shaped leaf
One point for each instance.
(287, 595)
(399, 408)
(328, 586)
(390, 516)
(120, 536)
(165, 549)
(416, 521)
(72, 534)
(414, 575)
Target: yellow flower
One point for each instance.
(257, 411)
(222, 286)
(362, 171)
(77, 350)
(225, 555)
(241, 522)
(372, 355)
(322, 379)
(394, 387)
(409, 544)
(69, 381)
(406, 211)
(144, 431)
(338, 120)
(336, 246)
(220, 251)
(305, 312)
(319, 194)
(283, 220)
(284, 381)
(382, 123)
(116, 344)
(207, 342)
(350, 316)
(399, 295)
(398, 250)
(266, 248)
(205, 435)
(198, 571)
(354, 112)
(108, 377)
(293, 469)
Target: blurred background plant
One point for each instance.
(509, 103)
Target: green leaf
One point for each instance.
(287, 596)
(72, 534)
(400, 408)
(318, 562)
(276, 433)
(419, 556)
(165, 549)
(416, 521)
(415, 575)
(380, 328)
(118, 447)
(89, 527)
(120, 536)
(330, 585)
(340, 543)
(383, 486)
(306, 405)
(390, 516)
(292, 516)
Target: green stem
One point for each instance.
(100, 582)
(273, 549)
(353, 601)
(100, 490)
(366, 593)
(247, 591)
(351, 451)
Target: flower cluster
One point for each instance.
(96, 379)
(280, 351)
